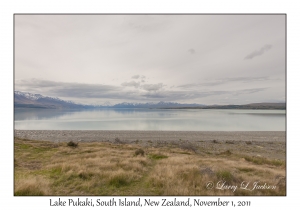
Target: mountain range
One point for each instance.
(30, 100)
(281, 106)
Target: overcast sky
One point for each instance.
(206, 59)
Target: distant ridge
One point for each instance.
(280, 106)
(160, 104)
(30, 100)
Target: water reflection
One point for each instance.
(150, 119)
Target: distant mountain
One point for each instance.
(29, 100)
(160, 104)
(281, 106)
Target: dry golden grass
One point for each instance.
(45, 168)
(32, 185)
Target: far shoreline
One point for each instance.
(144, 135)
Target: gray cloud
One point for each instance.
(152, 87)
(135, 77)
(192, 51)
(224, 81)
(96, 91)
(187, 95)
(259, 52)
(65, 89)
(142, 77)
(249, 91)
(245, 79)
(131, 84)
(90, 50)
(156, 96)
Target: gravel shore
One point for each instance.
(98, 135)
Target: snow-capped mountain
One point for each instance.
(36, 97)
(29, 95)
(29, 100)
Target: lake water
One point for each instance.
(150, 119)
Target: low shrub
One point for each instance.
(139, 152)
(72, 144)
(225, 175)
(118, 141)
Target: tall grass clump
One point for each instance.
(32, 186)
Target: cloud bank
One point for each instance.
(207, 59)
(259, 52)
(147, 92)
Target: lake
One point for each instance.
(150, 119)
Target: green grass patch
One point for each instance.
(157, 156)
(23, 146)
(262, 160)
(225, 175)
(118, 180)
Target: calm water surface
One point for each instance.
(150, 119)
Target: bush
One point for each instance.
(72, 144)
(139, 152)
(118, 141)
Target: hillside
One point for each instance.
(280, 106)
(29, 100)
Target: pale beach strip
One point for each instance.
(130, 135)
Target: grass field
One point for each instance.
(102, 168)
